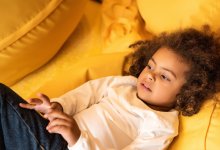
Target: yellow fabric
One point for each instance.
(79, 60)
(200, 131)
(169, 15)
(212, 140)
(30, 33)
(70, 75)
(86, 56)
(121, 25)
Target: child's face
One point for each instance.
(162, 79)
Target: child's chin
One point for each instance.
(142, 96)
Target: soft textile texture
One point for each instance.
(121, 25)
(32, 32)
(170, 15)
(82, 58)
(202, 128)
(79, 60)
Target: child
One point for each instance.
(175, 73)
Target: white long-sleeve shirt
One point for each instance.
(110, 116)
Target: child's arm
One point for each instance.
(88, 94)
(85, 95)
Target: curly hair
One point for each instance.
(200, 49)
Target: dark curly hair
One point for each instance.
(199, 48)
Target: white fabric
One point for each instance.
(110, 116)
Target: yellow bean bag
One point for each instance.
(31, 33)
(200, 131)
(82, 58)
(169, 15)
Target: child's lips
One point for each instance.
(146, 87)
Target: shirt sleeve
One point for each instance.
(86, 95)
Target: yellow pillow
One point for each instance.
(67, 75)
(200, 131)
(120, 25)
(32, 32)
(169, 15)
(80, 59)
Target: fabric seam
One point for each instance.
(32, 23)
(209, 125)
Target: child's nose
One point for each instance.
(150, 77)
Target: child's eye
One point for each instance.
(165, 78)
(149, 67)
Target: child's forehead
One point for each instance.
(164, 52)
(166, 58)
(170, 53)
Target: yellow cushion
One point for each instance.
(57, 82)
(200, 131)
(79, 60)
(169, 15)
(120, 25)
(31, 33)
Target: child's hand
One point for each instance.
(63, 124)
(41, 104)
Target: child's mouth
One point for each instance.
(146, 87)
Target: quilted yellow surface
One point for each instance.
(32, 32)
(96, 48)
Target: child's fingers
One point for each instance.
(27, 106)
(57, 114)
(59, 122)
(57, 129)
(36, 101)
(44, 98)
